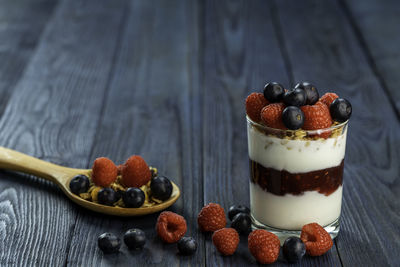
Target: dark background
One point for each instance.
(167, 80)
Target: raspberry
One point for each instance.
(119, 169)
(254, 104)
(104, 172)
(226, 240)
(317, 117)
(328, 98)
(135, 172)
(211, 218)
(170, 226)
(317, 240)
(264, 246)
(271, 115)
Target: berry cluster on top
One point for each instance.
(297, 108)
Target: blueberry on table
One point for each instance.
(311, 92)
(133, 197)
(242, 223)
(109, 243)
(296, 97)
(79, 184)
(161, 187)
(273, 92)
(340, 110)
(293, 117)
(134, 238)
(293, 249)
(187, 245)
(107, 196)
(235, 209)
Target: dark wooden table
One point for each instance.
(167, 80)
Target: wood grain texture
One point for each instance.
(53, 114)
(151, 110)
(323, 49)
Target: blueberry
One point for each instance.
(293, 117)
(107, 196)
(187, 245)
(161, 187)
(135, 238)
(296, 97)
(293, 249)
(133, 197)
(235, 209)
(242, 223)
(79, 184)
(311, 92)
(340, 110)
(109, 243)
(273, 92)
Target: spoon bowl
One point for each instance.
(16, 161)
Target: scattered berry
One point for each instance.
(273, 92)
(316, 116)
(109, 243)
(187, 245)
(311, 92)
(242, 223)
(328, 98)
(170, 226)
(133, 197)
(293, 117)
(254, 104)
(107, 196)
(135, 172)
(161, 187)
(316, 238)
(293, 249)
(296, 97)
(226, 240)
(79, 184)
(134, 238)
(119, 169)
(271, 115)
(264, 246)
(104, 172)
(340, 109)
(211, 218)
(235, 209)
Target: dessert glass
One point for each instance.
(296, 177)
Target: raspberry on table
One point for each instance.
(317, 117)
(226, 240)
(254, 104)
(316, 238)
(135, 172)
(264, 246)
(170, 226)
(104, 172)
(211, 218)
(271, 115)
(328, 98)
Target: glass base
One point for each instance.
(332, 228)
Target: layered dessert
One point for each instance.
(296, 143)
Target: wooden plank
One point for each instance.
(53, 114)
(323, 48)
(152, 109)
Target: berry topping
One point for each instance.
(226, 240)
(161, 187)
(273, 92)
(316, 116)
(328, 98)
(211, 218)
(134, 238)
(271, 115)
(254, 104)
(293, 249)
(187, 245)
(296, 97)
(317, 240)
(235, 209)
(79, 184)
(135, 172)
(293, 117)
(264, 246)
(107, 196)
(340, 109)
(104, 172)
(311, 92)
(170, 226)
(109, 243)
(242, 223)
(133, 197)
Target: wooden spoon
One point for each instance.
(16, 161)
